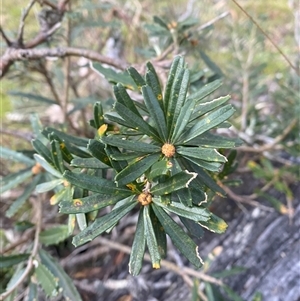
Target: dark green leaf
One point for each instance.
(210, 64)
(9, 154)
(214, 224)
(159, 168)
(17, 204)
(205, 91)
(176, 66)
(206, 154)
(114, 151)
(183, 119)
(42, 150)
(176, 182)
(194, 229)
(153, 81)
(180, 239)
(184, 196)
(131, 144)
(139, 81)
(123, 97)
(155, 111)
(208, 122)
(10, 260)
(151, 239)
(138, 246)
(137, 123)
(136, 169)
(115, 77)
(91, 203)
(69, 290)
(92, 163)
(205, 107)
(212, 166)
(194, 213)
(57, 156)
(97, 150)
(101, 224)
(98, 115)
(54, 235)
(92, 183)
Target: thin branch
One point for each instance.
(214, 20)
(4, 36)
(12, 55)
(276, 140)
(182, 271)
(22, 22)
(268, 37)
(30, 263)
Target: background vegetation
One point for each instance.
(216, 37)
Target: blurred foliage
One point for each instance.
(219, 44)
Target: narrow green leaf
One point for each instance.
(57, 156)
(203, 108)
(54, 235)
(138, 246)
(10, 260)
(194, 213)
(63, 149)
(98, 115)
(161, 22)
(115, 77)
(12, 155)
(194, 229)
(91, 203)
(34, 97)
(178, 98)
(215, 141)
(208, 122)
(136, 77)
(15, 179)
(214, 224)
(182, 120)
(92, 183)
(17, 204)
(46, 279)
(205, 90)
(69, 290)
(155, 111)
(123, 97)
(151, 239)
(131, 144)
(92, 163)
(153, 81)
(159, 168)
(66, 194)
(47, 166)
(33, 292)
(176, 182)
(210, 64)
(101, 224)
(160, 234)
(114, 151)
(137, 123)
(212, 166)
(206, 154)
(136, 169)
(185, 197)
(180, 239)
(204, 178)
(176, 66)
(115, 117)
(78, 141)
(42, 150)
(97, 150)
(47, 186)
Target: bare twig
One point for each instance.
(276, 140)
(182, 271)
(12, 55)
(30, 263)
(6, 39)
(214, 20)
(268, 37)
(22, 22)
